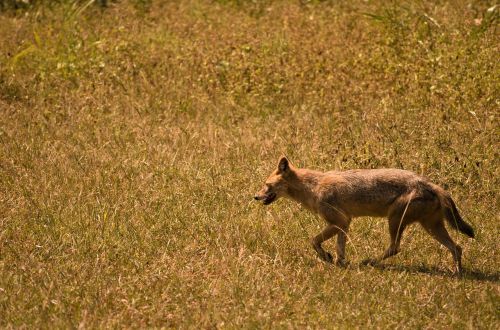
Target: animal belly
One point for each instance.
(367, 209)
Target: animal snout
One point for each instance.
(256, 197)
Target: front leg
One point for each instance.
(341, 239)
(326, 234)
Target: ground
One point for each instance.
(133, 137)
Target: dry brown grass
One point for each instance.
(132, 140)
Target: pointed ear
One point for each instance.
(283, 165)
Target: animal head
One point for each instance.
(276, 185)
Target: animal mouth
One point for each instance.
(269, 199)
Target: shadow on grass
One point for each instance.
(468, 274)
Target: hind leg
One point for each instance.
(401, 214)
(437, 230)
(396, 227)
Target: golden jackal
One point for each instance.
(338, 196)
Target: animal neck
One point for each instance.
(301, 187)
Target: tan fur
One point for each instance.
(339, 196)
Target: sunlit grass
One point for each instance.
(133, 137)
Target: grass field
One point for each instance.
(133, 137)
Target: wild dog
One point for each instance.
(339, 196)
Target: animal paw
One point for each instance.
(369, 262)
(328, 258)
(458, 271)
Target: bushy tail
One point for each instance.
(454, 219)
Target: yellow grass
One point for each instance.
(133, 137)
